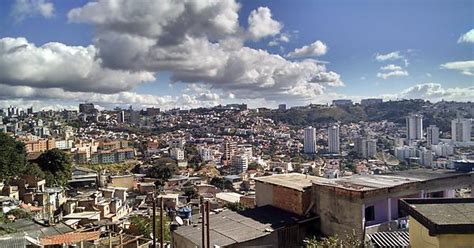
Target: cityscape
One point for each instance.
(188, 124)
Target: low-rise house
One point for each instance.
(440, 222)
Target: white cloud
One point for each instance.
(72, 68)
(22, 9)
(391, 67)
(261, 24)
(435, 92)
(465, 67)
(397, 73)
(316, 48)
(389, 56)
(282, 38)
(198, 54)
(467, 37)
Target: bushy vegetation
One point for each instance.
(142, 225)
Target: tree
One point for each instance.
(235, 206)
(163, 170)
(142, 225)
(57, 167)
(351, 240)
(191, 192)
(12, 157)
(222, 183)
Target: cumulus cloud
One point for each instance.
(467, 37)
(396, 73)
(391, 67)
(389, 56)
(436, 92)
(202, 53)
(261, 24)
(22, 9)
(465, 67)
(282, 38)
(72, 68)
(316, 48)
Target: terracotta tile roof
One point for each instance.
(31, 208)
(69, 238)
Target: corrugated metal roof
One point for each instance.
(390, 239)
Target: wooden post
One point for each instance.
(208, 238)
(154, 220)
(110, 240)
(121, 240)
(203, 222)
(162, 230)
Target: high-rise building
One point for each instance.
(414, 124)
(86, 108)
(310, 140)
(229, 150)
(432, 135)
(366, 148)
(240, 163)
(370, 101)
(282, 107)
(29, 110)
(152, 111)
(333, 139)
(121, 116)
(461, 130)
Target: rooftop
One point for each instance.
(372, 182)
(292, 180)
(229, 227)
(442, 215)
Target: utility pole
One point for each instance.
(203, 220)
(207, 225)
(154, 219)
(162, 232)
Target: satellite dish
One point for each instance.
(179, 220)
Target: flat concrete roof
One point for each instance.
(373, 182)
(229, 196)
(442, 215)
(295, 181)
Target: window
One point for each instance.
(370, 213)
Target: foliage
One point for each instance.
(57, 167)
(163, 170)
(19, 213)
(142, 225)
(34, 170)
(235, 206)
(222, 183)
(349, 241)
(12, 157)
(191, 192)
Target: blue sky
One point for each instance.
(426, 35)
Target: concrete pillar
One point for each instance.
(389, 209)
(363, 215)
(422, 194)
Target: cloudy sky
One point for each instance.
(183, 53)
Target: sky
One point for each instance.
(55, 54)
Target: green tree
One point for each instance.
(12, 157)
(57, 167)
(222, 183)
(235, 206)
(351, 240)
(142, 225)
(163, 170)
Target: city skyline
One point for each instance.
(56, 54)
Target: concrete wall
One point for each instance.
(264, 195)
(338, 215)
(420, 238)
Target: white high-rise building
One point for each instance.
(333, 139)
(177, 153)
(121, 117)
(366, 148)
(414, 127)
(461, 130)
(240, 163)
(310, 140)
(432, 135)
